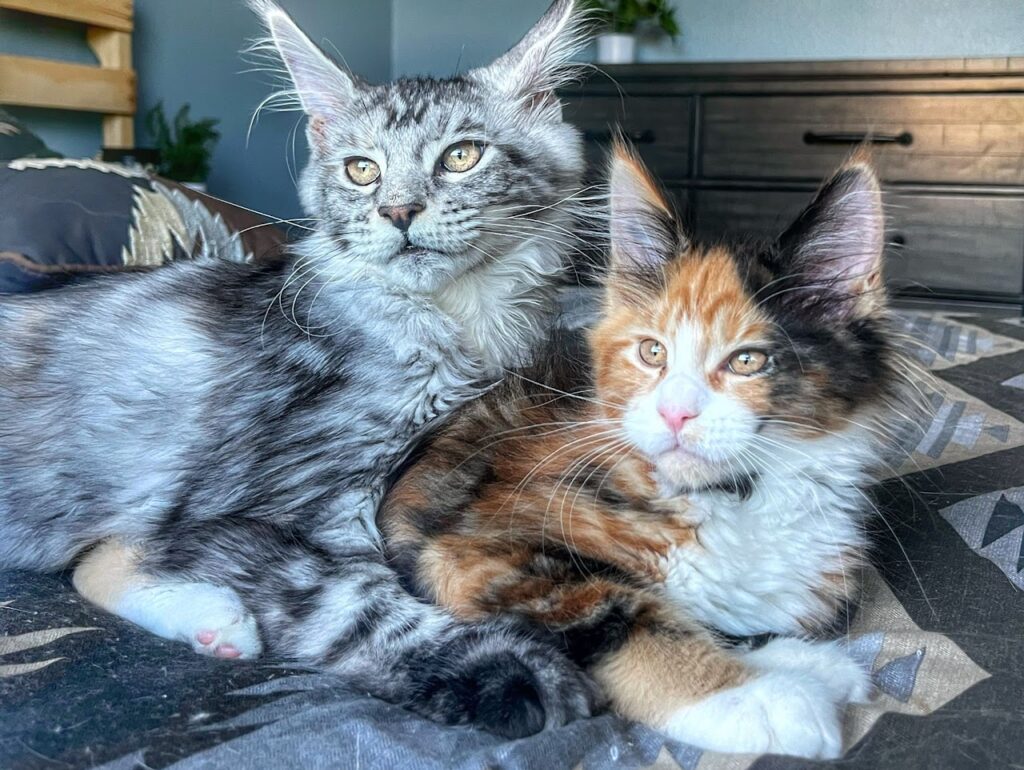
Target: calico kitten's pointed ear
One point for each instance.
(322, 87)
(644, 232)
(835, 246)
(540, 63)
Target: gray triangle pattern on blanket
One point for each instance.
(897, 677)
(992, 525)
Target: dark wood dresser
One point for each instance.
(743, 146)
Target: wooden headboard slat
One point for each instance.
(108, 89)
(42, 83)
(109, 14)
(114, 51)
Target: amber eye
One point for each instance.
(461, 156)
(362, 171)
(653, 353)
(747, 362)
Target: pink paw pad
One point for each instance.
(225, 634)
(206, 637)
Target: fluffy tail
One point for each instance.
(493, 677)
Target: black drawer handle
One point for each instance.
(636, 137)
(904, 139)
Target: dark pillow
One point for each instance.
(61, 220)
(16, 141)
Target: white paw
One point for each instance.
(212, 619)
(230, 634)
(778, 712)
(793, 705)
(828, 661)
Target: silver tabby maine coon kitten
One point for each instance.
(232, 427)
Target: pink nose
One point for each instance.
(675, 416)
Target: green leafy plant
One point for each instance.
(186, 147)
(626, 16)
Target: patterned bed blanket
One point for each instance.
(941, 624)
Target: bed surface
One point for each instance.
(941, 624)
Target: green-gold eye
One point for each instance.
(461, 156)
(653, 353)
(747, 362)
(362, 171)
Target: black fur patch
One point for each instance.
(502, 697)
(605, 632)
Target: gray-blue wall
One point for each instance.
(436, 37)
(199, 63)
(840, 29)
(428, 35)
(188, 51)
(71, 133)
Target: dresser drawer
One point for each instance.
(958, 243)
(968, 138)
(740, 213)
(659, 127)
(966, 243)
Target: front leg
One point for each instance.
(636, 542)
(430, 351)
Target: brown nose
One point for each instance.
(401, 216)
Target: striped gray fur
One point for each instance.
(237, 424)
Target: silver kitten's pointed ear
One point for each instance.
(322, 87)
(542, 61)
(644, 232)
(838, 240)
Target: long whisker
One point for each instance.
(596, 401)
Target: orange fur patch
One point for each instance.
(654, 675)
(701, 288)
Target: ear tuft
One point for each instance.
(541, 62)
(644, 231)
(836, 244)
(320, 86)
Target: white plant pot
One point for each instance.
(615, 48)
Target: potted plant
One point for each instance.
(622, 19)
(185, 148)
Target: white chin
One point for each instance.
(680, 469)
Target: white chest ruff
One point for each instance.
(759, 564)
(504, 308)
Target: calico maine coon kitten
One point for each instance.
(228, 430)
(710, 481)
